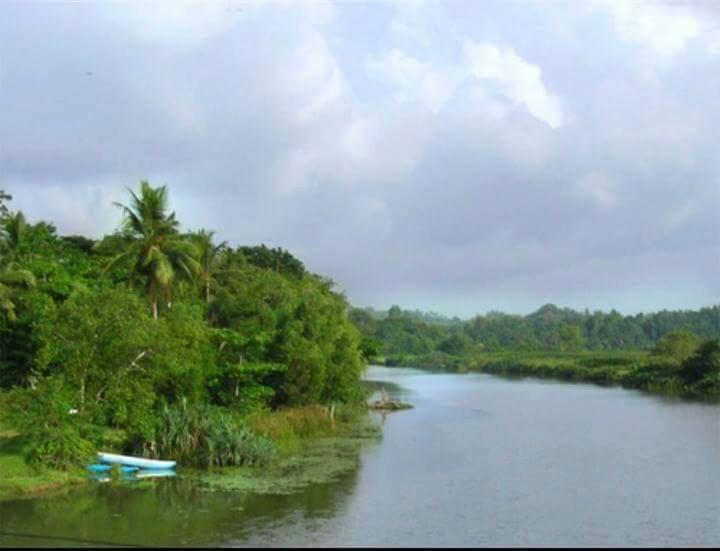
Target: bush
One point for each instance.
(677, 346)
(703, 364)
(201, 436)
(60, 448)
(43, 415)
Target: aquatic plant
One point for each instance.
(203, 436)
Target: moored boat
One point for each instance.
(104, 468)
(141, 462)
(154, 473)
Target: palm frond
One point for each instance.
(116, 261)
(17, 278)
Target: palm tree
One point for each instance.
(12, 231)
(13, 227)
(9, 278)
(208, 257)
(161, 255)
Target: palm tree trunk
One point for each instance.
(82, 394)
(207, 289)
(154, 308)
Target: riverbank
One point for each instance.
(632, 369)
(311, 448)
(20, 479)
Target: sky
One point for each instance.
(454, 156)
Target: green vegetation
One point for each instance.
(204, 436)
(660, 352)
(315, 447)
(157, 341)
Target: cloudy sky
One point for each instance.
(457, 156)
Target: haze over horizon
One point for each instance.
(446, 156)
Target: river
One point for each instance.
(480, 460)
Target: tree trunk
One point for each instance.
(152, 297)
(207, 290)
(82, 394)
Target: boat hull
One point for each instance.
(104, 468)
(141, 462)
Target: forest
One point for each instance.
(164, 342)
(669, 351)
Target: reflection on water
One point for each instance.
(174, 511)
(479, 461)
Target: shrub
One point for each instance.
(677, 346)
(60, 448)
(204, 437)
(43, 415)
(703, 364)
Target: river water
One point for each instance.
(480, 460)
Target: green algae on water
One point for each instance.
(317, 461)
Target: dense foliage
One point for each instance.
(663, 351)
(128, 330)
(401, 332)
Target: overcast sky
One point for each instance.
(454, 156)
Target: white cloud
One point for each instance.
(413, 80)
(664, 27)
(517, 79)
(496, 71)
(596, 188)
(94, 216)
(178, 25)
(414, 21)
(313, 82)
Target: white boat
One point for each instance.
(115, 459)
(154, 473)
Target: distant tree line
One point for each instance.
(548, 328)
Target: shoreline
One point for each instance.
(316, 459)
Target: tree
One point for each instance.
(455, 344)
(273, 259)
(9, 280)
(160, 253)
(677, 346)
(13, 228)
(3, 198)
(394, 312)
(12, 231)
(570, 337)
(98, 341)
(703, 363)
(208, 257)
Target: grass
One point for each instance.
(288, 427)
(19, 478)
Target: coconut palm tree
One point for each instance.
(13, 227)
(12, 231)
(12, 278)
(161, 255)
(208, 252)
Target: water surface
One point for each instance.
(480, 460)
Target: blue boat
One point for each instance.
(100, 468)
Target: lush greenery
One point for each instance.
(665, 351)
(163, 336)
